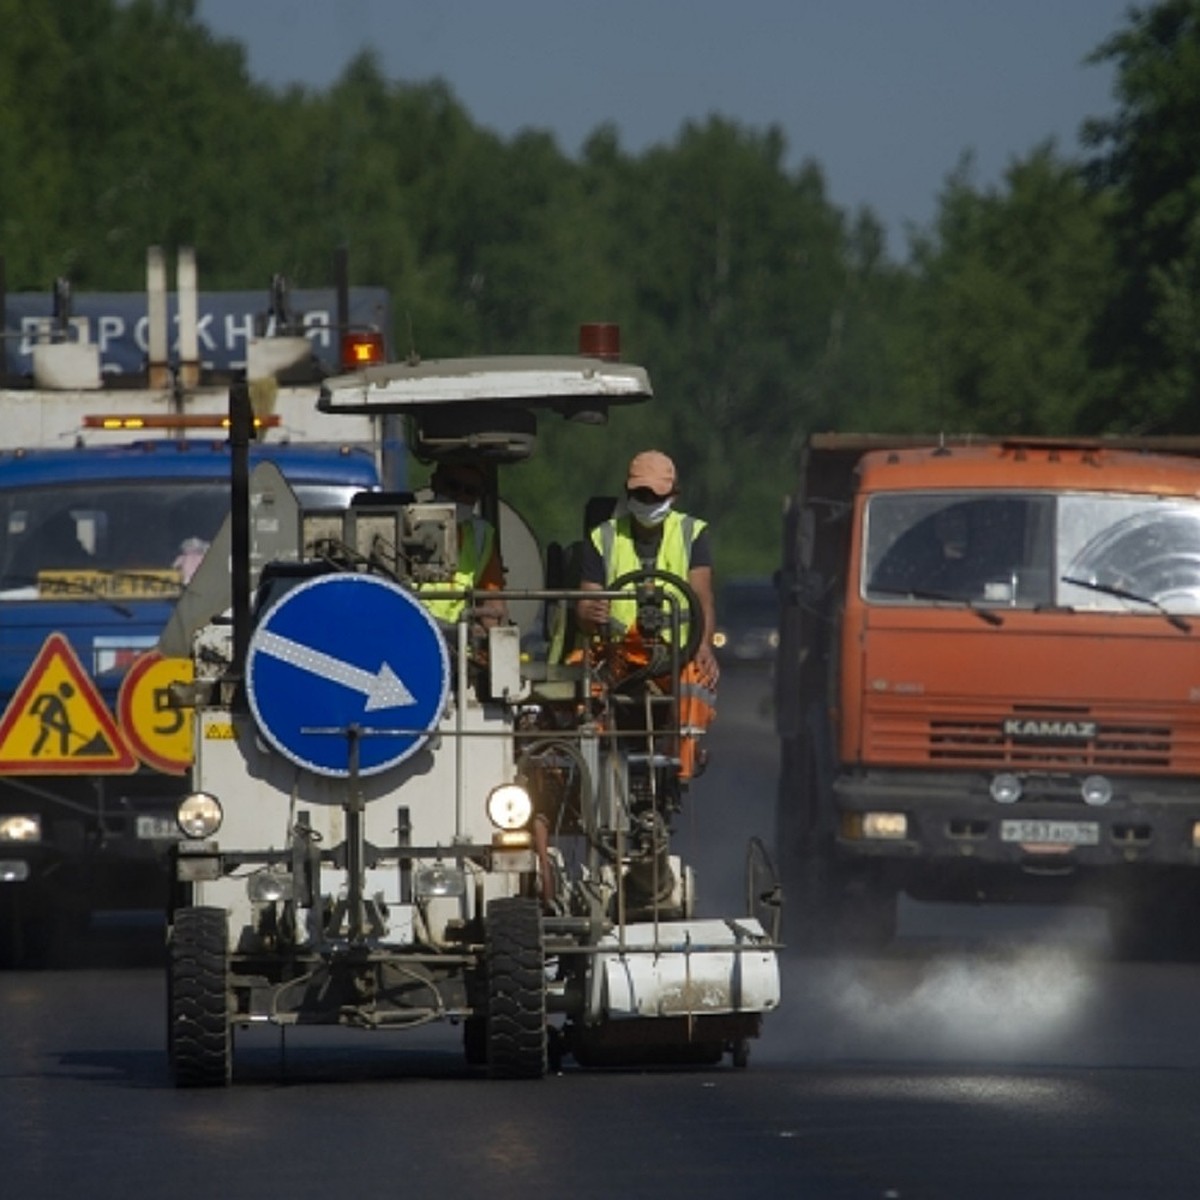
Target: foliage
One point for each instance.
(1061, 300)
(998, 335)
(1149, 163)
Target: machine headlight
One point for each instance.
(439, 880)
(1096, 790)
(509, 806)
(1006, 789)
(199, 815)
(268, 886)
(21, 827)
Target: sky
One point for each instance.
(886, 96)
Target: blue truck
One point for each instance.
(100, 531)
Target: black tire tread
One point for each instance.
(199, 1038)
(517, 1043)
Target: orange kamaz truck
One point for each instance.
(988, 683)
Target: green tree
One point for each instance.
(1149, 164)
(1009, 284)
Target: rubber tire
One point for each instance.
(199, 1036)
(12, 929)
(517, 1040)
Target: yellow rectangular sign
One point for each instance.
(110, 585)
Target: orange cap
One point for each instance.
(654, 470)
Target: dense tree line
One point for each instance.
(1066, 299)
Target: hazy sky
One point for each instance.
(885, 95)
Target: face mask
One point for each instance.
(649, 514)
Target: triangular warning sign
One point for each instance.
(58, 724)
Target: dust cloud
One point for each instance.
(998, 1002)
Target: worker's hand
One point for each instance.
(707, 666)
(488, 614)
(594, 612)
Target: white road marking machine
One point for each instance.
(396, 821)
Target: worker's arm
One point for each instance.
(592, 614)
(701, 579)
(490, 611)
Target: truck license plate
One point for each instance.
(157, 828)
(1051, 833)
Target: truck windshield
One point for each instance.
(1126, 553)
(127, 539)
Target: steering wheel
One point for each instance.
(691, 610)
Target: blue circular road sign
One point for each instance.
(347, 651)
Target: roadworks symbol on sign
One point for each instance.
(57, 723)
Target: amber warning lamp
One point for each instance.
(361, 348)
(598, 339)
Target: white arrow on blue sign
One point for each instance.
(342, 651)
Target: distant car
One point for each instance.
(747, 621)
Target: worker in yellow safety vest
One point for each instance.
(479, 565)
(653, 535)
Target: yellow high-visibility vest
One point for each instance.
(475, 541)
(614, 540)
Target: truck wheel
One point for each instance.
(30, 924)
(1145, 926)
(12, 930)
(867, 917)
(199, 1039)
(516, 990)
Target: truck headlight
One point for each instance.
(509, 806)
(21, 827)
(875, 826)
(199, 815)
(886, 826)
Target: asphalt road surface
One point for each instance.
(989, 1054)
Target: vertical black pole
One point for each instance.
(241, 430)
(341, 283)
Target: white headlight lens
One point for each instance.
(439, 880)
(1096, 790)
(199, 815)
(20, 827)
(1006, 789)
(268, 886)
(891, 826)
(509, 806)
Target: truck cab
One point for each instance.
(114, 485)
(986, 683)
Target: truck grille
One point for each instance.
(982, 741)
(1127, 746)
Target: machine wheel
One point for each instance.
(516, 990)
(199, 1038)
(740, 1053)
